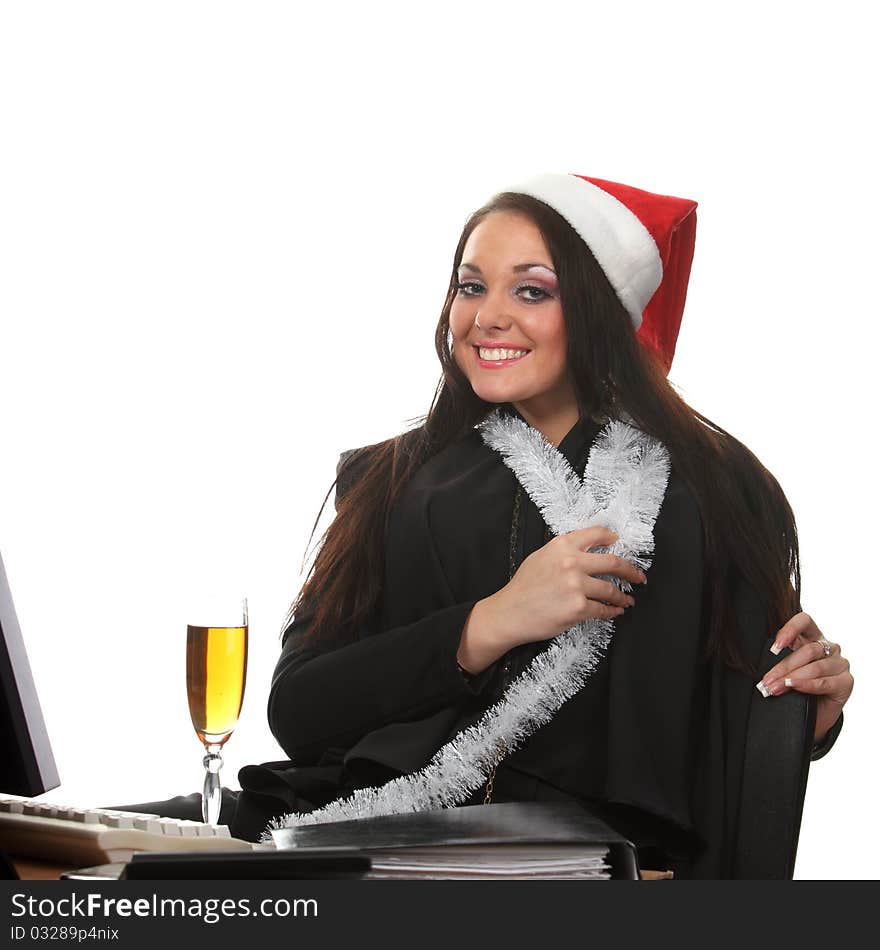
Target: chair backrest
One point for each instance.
(779, 741)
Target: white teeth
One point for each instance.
(500, 354)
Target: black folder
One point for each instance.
(559, 826)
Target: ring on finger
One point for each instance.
(826, 646)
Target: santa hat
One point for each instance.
(643, 242)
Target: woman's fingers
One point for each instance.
(824, 686)
(801, 667)
(807, 652)
(598, 567)
(606, 564)
(614, 566)
(598, 611)
(801, 625)
(607, 593)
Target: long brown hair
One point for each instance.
(748, 524)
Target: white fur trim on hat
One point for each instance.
(622, 245)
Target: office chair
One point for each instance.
(779, 741)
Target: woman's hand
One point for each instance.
(815, 666)
(554, 588)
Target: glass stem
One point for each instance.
(212, 794)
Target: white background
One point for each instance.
(225, 236)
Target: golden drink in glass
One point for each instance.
(216, 670)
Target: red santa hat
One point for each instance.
(643, 242)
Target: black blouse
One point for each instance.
(653, 742)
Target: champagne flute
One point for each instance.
(216, 668)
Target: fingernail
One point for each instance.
(788, 681)
(762, 689)
(776, 649)
(631, 601)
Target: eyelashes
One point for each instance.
(471, 288)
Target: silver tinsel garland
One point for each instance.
(622, 489)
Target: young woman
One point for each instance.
(482, 625)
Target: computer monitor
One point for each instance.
(27, 766)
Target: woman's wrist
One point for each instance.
(482, 641)
(827, 740)
(826, 719)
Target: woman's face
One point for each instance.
(508, 331)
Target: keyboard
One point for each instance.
(83, 836)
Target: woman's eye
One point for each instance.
(533, 293)
(468, 288)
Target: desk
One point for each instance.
(29, 869)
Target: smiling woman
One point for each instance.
(477, 626)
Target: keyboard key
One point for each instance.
(170, 827)
(188, 829)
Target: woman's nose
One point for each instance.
(492, 315)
